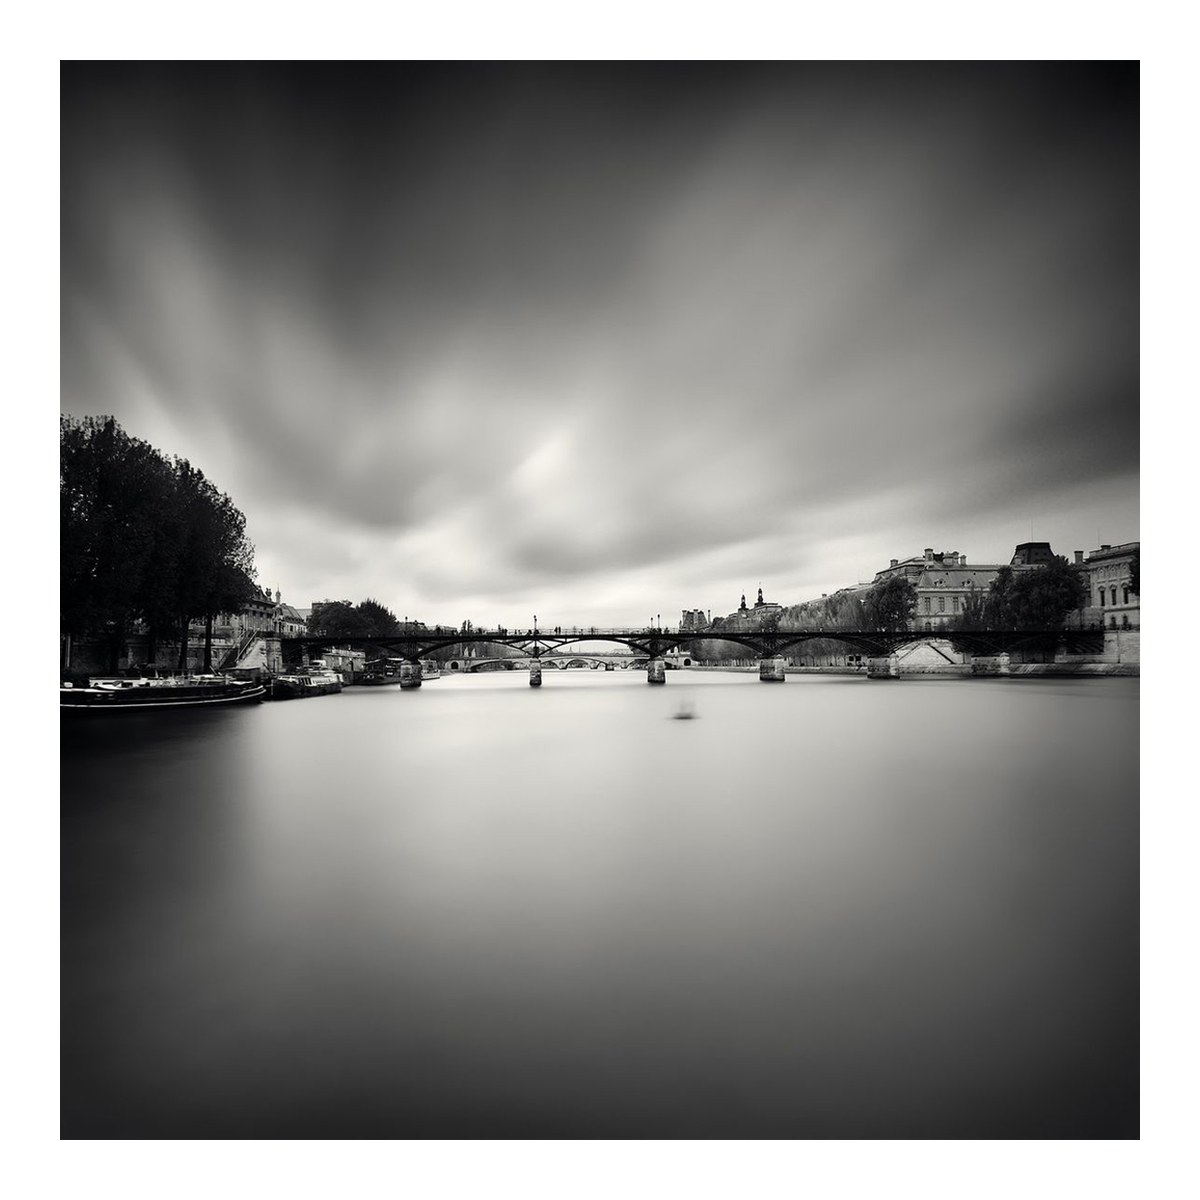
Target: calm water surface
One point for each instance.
(831, 908)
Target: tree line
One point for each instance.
(145, 540)
(342, 619)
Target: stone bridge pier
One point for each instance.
(883, 667)
(410, 675)
(535, 673)
(656, 671)
(770, 670)
(991, 664)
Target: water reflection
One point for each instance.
(832, 908)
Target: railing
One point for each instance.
(238, 652)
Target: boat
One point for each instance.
(116, 694)
(378, 672)
(317, 680)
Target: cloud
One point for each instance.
(463, 335)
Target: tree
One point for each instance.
(973, 614)
(142, 538)
(1036, 599)
(115, 497)
(1042, 598)
(338, 619)
(997, 606)
(890, 604)
(216, 563)
(341, 619)
(382, 620)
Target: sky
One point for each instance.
(606, 341)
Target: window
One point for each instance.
(1125, 592)
(954, 603)
(1112, 621)
(1125, 622)
(929, 625)
(925, 602)
(1114, 594)
(1101, 597)
(941, 604)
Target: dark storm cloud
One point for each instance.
(471, 331)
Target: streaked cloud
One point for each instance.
(608, 338)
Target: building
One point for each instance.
(265, 613)
(1032, 554)
(693, 619)
(762, 613)
(347, 662)
(290, 621)
(1113, 604)
(945, 582)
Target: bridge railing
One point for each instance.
(572, 630)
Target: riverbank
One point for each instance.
(955, 670)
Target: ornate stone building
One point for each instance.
(945, 582)
(1112, 602)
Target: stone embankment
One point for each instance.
(1121, 656)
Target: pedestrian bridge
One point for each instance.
(567, 662)
(656, 647)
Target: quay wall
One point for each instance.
(1121, 656)
(92, 657)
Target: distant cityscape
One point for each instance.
(944, 582)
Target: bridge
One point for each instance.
(570, 661)
(655, 645)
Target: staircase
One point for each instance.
(236, 653)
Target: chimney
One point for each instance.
(962, 560)
(929, 554)
(1106, 547)
(895, 562)
(1079, 556)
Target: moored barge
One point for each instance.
(124, 695)
(298, 685)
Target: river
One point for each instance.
(829, 908)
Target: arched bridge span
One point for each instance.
(655, 644)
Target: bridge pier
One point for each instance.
(770, 670)
(882, 668)
(991, 664)
(535, 673)
(410, 675)
(656, 671)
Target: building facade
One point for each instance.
(1112, 601)
(945, 582)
